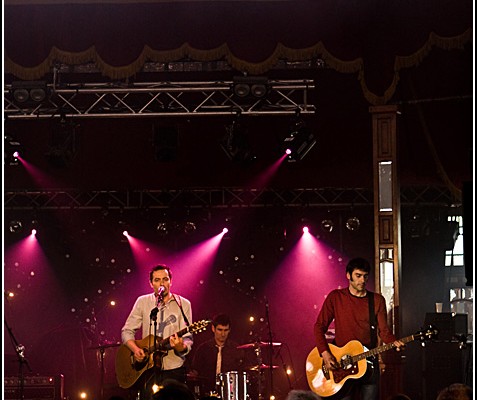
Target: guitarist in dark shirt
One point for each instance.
(349, 309)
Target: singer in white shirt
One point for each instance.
(159, 314)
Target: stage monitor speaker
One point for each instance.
(34, 387)
(450, 326)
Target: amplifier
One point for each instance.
(34, 387)
(449, 325)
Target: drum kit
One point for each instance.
(234, 385)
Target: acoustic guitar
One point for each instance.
(352, 363)
(128, 370)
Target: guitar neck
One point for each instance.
(381, 349)
(164, 342)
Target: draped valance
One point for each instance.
(373, 39)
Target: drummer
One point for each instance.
(216, 356)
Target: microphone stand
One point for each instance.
(19, 349)
(153, 317)
(270, 345)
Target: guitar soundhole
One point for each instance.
(138, 365)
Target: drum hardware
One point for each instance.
(258, 344)
(102, 347)
(233, 385)
(262, 367)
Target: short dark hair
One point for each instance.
(221, 319)
(358, 263)
(455, 391)
(159, 267)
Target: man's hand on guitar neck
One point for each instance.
(329, 360)
(399, 345)
(177, 343)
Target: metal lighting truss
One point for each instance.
(107, 100)
(214, 198)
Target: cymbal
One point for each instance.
(192, 377)
(105, 346)
(262, 366)
(258, 344)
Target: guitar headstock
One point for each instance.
(199, 326)
(427, 334)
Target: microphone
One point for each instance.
(160, 294)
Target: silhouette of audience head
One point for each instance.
(174, 390)
(399, 396)
(302, 395)
(456, 391)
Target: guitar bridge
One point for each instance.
(326, 372)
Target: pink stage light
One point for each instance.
(16, 154)
(288, 151)
(305, 229)
(33, 232)
(125, 233)
(225, 230)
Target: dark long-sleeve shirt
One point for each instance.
(351, 316)
(204, 361)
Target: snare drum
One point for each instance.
(233, 385)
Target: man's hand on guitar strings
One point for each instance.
(139, 355)
(330, 360)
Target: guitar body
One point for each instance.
(327, 383)
(128, 370)
(352, 359)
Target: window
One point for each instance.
(455, 257)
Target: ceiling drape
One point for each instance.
(373, 39)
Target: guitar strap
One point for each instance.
(179, 303)
(372, 320)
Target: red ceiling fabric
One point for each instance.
(372, 38)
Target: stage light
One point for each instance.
(235, 143)
(62, 146)
(254, 86)
(189, 227)
(327, 225)
(162, 228)
(225, 230)
(12, 150)
(33, 232)
(306, 229)
(299, 140)
(125, 233)
(15, 226)
(353, 224)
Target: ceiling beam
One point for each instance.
(158, 99)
